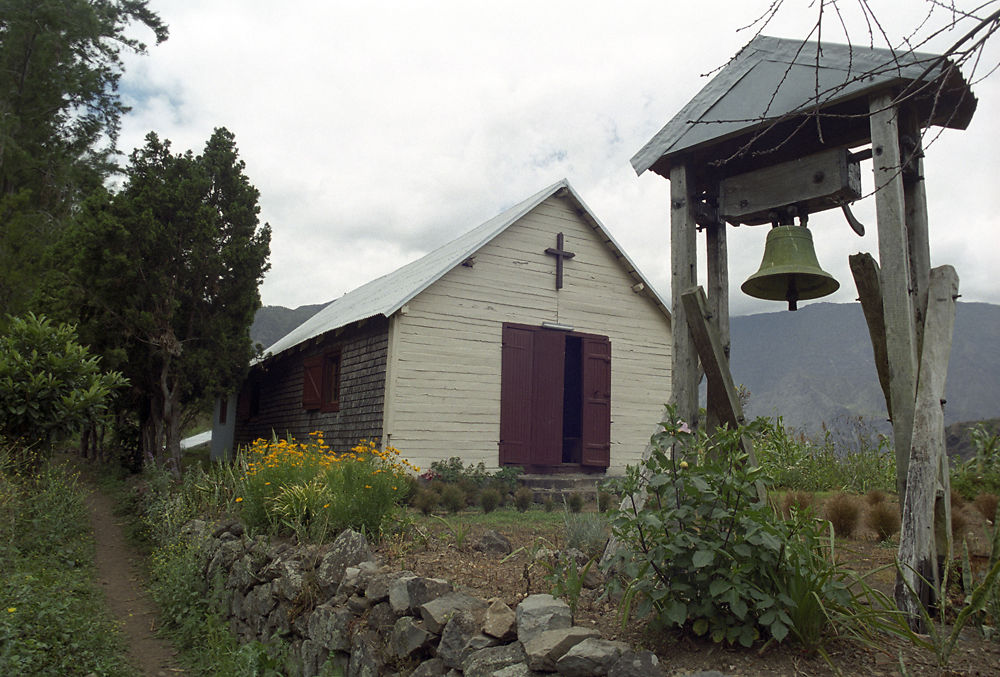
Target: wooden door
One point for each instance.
(596, 430)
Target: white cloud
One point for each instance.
(377, 131)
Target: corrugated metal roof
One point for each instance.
(773, 78)
(387, 294)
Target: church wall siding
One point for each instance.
(362, 385)
(446, 370)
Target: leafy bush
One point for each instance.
(981, 473)
(524, 498)
(50, 385)
(843, 512)
(489, 499)
(705, 554)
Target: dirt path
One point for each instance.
(118, 575)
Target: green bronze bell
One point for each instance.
(789, 271)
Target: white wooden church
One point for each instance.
(530, 340)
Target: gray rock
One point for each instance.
(407, 593)
(381, 618)
(259, 602)
(705, 673)
(433, 667)
(538, 613)
(222, 560)
(349, 549)
(288, 582)
(378, 584)
(500, 621)
(312, 656)
(486, 662)
(364, 657)
(590, 658)
(359, 604)
(638, 664)
(437, 612)
(409, 637)
(494, 543)
(545, 648)
(518, 670)
(455, 637)
(329, 627)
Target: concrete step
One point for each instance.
(562, 485)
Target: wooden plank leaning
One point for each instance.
(867, 280)
(925, 485)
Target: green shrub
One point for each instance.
(426, 501)
(505, 479)
(604, 499)
(452, 498)
(50, 385)
(705, 554)
(548, 504)
(883, 519)
(575, 502)
(843, 512)
(981, 473)
(489, 500)
(524, 498)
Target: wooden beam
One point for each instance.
(713, 359)
(683, 275)
(927, 476)
(814, 183)
(893, 251)
(718, 307)
(866, 279)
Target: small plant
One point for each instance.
(524, 498)
(800, 500)
(883, 519)
(453, 498)
(489, 499)
(567, 578)
(548, 505)
(987, 504)
(426, 501)
(587, 532)
(843, 512)
(604, 499)
(574, 502)
(459, 532)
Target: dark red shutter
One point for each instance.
(596, 402)
(547, 398)
(312, 382)
(243, 402)
(515, 396)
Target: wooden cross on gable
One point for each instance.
(560, 253)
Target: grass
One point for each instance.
(53, 619)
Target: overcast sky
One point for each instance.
(377, 131)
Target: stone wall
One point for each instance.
(334, 605)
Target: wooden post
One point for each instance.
(683, 276)
(718, 308)
(918, 552)
(915, 198)
(893, 252)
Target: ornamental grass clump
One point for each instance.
(306, 489)
(843, 512)
(883, 519)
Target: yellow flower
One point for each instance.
(326, 505)
(239, 499)
(683, 464)
(11, 609)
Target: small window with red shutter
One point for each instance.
(321, 381)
